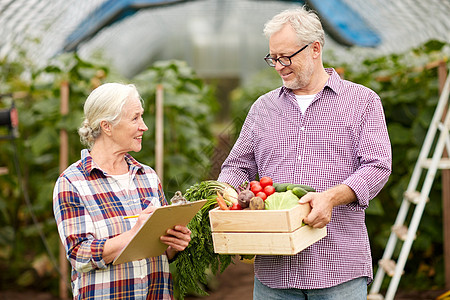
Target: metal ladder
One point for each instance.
(415, 195)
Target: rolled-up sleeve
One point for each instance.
(240, 165)
(76, 229)
(374, 155)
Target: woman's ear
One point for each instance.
(106, 127)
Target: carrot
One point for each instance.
(221, 202)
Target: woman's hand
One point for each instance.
(114, 245)
(143, 216)
(177, 239)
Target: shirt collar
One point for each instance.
(334, 83)
(89, 164)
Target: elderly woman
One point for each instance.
(93, 195)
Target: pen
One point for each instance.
(129, 217)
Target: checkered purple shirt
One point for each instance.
(89, 206)
(341, 139)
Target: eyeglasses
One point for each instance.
(283, 60)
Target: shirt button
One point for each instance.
(299, 157)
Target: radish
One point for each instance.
(244, 196)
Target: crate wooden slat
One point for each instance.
(258, 220)
(269, 232)
(276, 243)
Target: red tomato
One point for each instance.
(269, 190)
(252, 183)
(236, 206)
(262, 195)
(256, 188)
(265, 181)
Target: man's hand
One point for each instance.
(322, 204)
(321, 209)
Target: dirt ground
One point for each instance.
(235, 283)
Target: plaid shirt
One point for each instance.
(341, 139)
(89, 206)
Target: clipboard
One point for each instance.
(146, 243)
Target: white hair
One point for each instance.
(105, 103)
(306, 24)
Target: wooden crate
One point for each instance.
(278, 232)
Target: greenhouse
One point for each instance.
(200, 68)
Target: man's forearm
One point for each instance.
(340, 195)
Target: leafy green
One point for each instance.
(283, 200)
(189, 105)
(192, 264)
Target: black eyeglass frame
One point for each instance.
(268, 59)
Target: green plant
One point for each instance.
(28, 236)
(409, 90)
(189, 107)
(29, 240)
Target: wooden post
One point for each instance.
(442, 76)
(63, 163)
(3, 170)
(159, 132)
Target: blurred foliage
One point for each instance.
(406, 83)
(189, 107)
(409, 89)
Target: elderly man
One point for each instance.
(325, 132)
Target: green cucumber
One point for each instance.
(290, 187)
(306, 187)
(299, 192)
(281, 187)
(303, 186)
